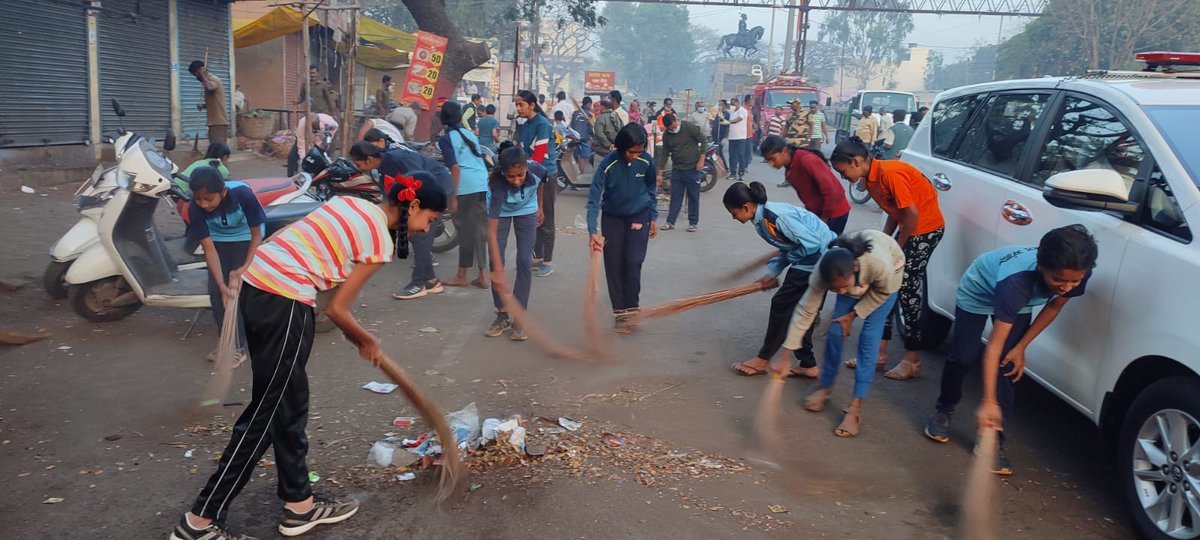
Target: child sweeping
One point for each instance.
(915, 219)
(227, 220)
(341, 244)
(623, 187)
(514, 203)
(865, 269)
(801, 237)
(1006, 284)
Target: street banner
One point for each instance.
(595, 82)
(425, 64)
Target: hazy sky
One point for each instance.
(952, 35)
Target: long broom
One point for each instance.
(979, 498)
(522, 318)
(675, 307)
(218, 385)
(751, 267)
(766, 422)
(591, 325)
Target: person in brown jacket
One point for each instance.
(213, 104)
(324, 99)
(383, 97)
(865, 269)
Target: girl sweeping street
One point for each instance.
(341, 244)
(915, 220)
(623, 188)
(227, 220)
(801, 237)
(514, 202)
(535, 135)
(865, 269)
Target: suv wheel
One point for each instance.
(1159, 459)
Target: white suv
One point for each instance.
(1118, 152)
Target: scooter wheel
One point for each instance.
(93, 300)
(54, 279)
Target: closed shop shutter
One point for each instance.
(203, 27)
(43, 73)
(135, 63)
(294, 72)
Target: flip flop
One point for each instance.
(853, 364)
(815, 402)
(747, 371)
(845, 431)
(666, 227)
(903, 371)
(794, 373)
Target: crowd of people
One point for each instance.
(872, 273)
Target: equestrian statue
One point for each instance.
(747, 40)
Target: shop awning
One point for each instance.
(277, 23)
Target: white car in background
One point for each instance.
(1118, 152)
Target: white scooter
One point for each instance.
(131, 264)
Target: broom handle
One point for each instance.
(692, 302)
(750, 267)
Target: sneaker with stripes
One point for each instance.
(324, 510)
(184, 531)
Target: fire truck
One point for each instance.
(779, 91)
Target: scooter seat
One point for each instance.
(287, 213)
(269, 189)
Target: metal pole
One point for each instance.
(307, 95)
(802, 38)
(771, 45)
(348, 130)
(790, 39)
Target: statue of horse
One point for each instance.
(747, 42)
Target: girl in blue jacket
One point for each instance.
(624, 188)
(801, 237)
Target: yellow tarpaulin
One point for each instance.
(279, 22)
(382, 59)
(384, 36)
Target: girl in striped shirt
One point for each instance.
(341, 244)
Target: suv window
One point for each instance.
(1087, 135)
(947, 118)
(997, 136)
(1163, 213)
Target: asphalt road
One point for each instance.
(97, 416)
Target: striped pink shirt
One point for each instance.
(319, 251)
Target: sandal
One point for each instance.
(903, 371)
(666, 227)
(480, 284)
(845, 431)
(807, 373)
(745, 370)
(815, 402)
(853, 364)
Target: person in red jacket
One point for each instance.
(807, 172)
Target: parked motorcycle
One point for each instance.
(132, 265)
(709, 179)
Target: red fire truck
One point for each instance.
(779, 91)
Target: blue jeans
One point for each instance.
(739, 156)
(685, 181)
(968, 353)
(868, 345)
(422, 252)
(525, 228)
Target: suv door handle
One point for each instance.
(1016, 213)
(941, 182)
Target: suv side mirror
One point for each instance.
(1089, 189)
(169, 141)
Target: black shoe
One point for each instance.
(184, 531)
(938, 427)
(323, 511)
(499, 326)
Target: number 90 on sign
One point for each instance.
(427, 91)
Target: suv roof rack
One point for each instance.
(1125, 74)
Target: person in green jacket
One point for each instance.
(217, 157)
(683, 143)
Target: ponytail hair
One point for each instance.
(532, 99)
(451, 117)
(429, 196)
(739, 194)
(838, 260)
(847, 150)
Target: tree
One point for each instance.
(978, 67)
(464, 13)
(650, 45)
(563, 50)
(873, 42)
(1101, 34)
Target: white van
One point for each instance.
(1118, 152)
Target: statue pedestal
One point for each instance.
(733, 77)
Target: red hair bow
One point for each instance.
(411, 185)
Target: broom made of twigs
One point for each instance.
(453, 472)
(522, 318)
(591, 325)
(218, 385)
(675, 307)
(979, 498)
(753, 266)
(766, 422)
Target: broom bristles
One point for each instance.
(753, 266)
(766, 422)
(522, 318)
(218, 385)
(979, 498)
(675, 307)
(591, 325)
(453, 472)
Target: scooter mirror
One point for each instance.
(828, 101)
(117, 108)
(169, 141)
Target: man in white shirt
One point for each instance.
(563, 104)
(307, 136)
(405, 117)
(700, 117)
(885, 123)
(817, 126)
(739, 144)
(618, 110)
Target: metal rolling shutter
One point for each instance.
(43, 74)
(135, 63)
(203, 26)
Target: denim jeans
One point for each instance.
(739, 156)
(685, 182)
(525, 228)
(968, 353)
(868, 345)
(422, 252)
